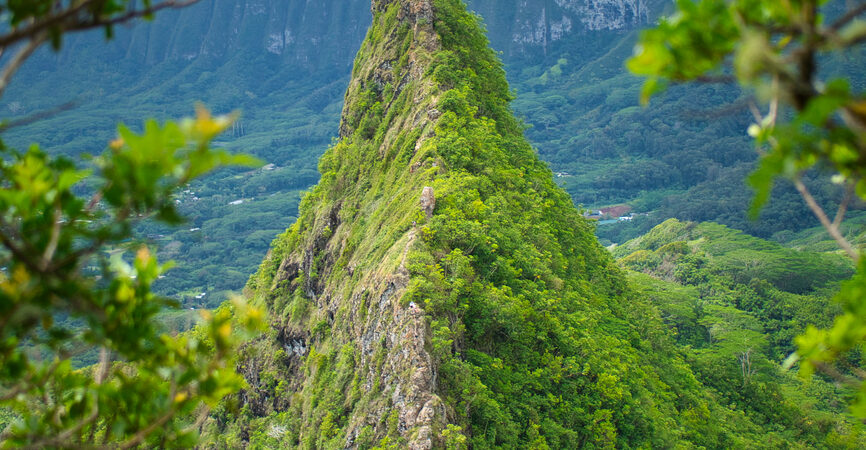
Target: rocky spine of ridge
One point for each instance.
(359, 299)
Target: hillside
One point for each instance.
(439, 289)
(285, 64)
(735, 303)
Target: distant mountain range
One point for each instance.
(285, 64)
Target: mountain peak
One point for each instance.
(398, 50)
(438, 286)
(412, 10)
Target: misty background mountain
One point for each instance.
(285, 66)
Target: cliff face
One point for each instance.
(525, 27)
(439, 288)
(305, 35)
(319, 34)
(283, 63)
(336, 282)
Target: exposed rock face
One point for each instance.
(314, 35)
(428, 201)
(607, 14)
(486, 313)
(307, 35)
(350, 280)
(526, 27)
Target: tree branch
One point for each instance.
(848, 17)
(196, 426)
(843, 206)
(104, 365)
(835, 374)
(142, 435)
(18, 253)
(60, 19)
(19, 59)
(723, 79)
(63, 437)
(55, 236)
(99, 22)
(37, 116)
(825, 221)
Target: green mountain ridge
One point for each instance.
(440, 290)
(222, 52)
(285, 64)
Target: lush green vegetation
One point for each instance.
(287, 126)
(728, 298)
(814, 121)
(818, 240)
(62, 296)
(689, 149)
(536, 338)
(67, 291)
(492, 318)
(685, 156)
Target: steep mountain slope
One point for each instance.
(438, 288)
(284, 64)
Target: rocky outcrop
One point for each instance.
(439, 288)
(428, 201)
(526, 28)
(338, 286)
(304, 35)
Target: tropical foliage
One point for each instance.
(536, 336)
(814, 119)
(734, 315)
(67, 289)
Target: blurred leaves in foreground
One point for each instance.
(66, 289)
(813, 120)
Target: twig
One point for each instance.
(37, 26)
(858, 372)
(63, 437)
(37, 117)
(825, 221)
(97, 197)
(848, 17)
(55, 236)
(843, 206)
(723, 79)
(202, 416)
(104, 365)
(756, 113)
(18, 60)
(28, 382)
(18, 253)
(774, 104)
(101, 375)
(98, 22)
(40, 26)
(141, 435)
(8, 316)
(12, 393)
(855, 39)
(833, 373)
